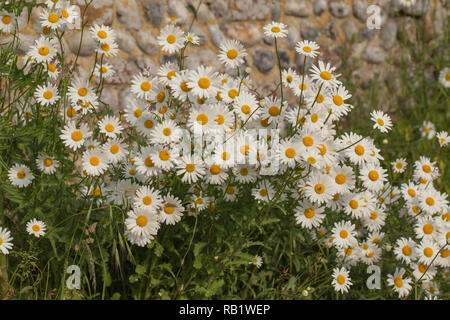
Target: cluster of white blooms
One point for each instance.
(215, 135)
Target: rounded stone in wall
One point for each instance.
(339, 9)
(263, 60)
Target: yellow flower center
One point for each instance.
(263, 192)
(105, 47)
(232, 54)
(146, 86)
(373, 175)
(314, 118)
(290, 153)
(428, 252)
(36, 228)
(167, 132)
(184, 86)
(95, 161)
(148, 162)
(354, 204)
(309, 213)
(307, 49)
(190, 167)
(77, 136)
(171, 39)
(426, 168)
(114, 149)
(53, 18)
(429, 201)
(380, 122)
(141, 221)
(320, 98)
(374, 215)
(160, 97)
(202, 119)
(340, 179)
(412, 193)
(204, 83)
(109, 127)
(164, 155)
(308, 141)
(215, 169)
(48, 95)
(64, 13)
(169, 209)
(147, 200)
(6, 19)
(102, 34)
(233, 93)
(82, 92)
(21, 174)
(48, 162)
(171, 74)
(274, 111)
(338, 100)
(359, 150)
(275, 29)
(340, 279)
(246, 109)
(243, 171)
(230, 190)
(343, 234)
(325, 75)
(319, 188)
(148, 124)
(427, 229)
(406, 250)
(43, 51)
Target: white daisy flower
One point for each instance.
(167, 72)
(147, 198)
(341, 280)
(232, 53)
(171, 211)
(381, 121)
(144, 162)
(7, 22)
(443, 138)
(373, 177)
(400, 284)
(5, 240)
(428, 130)
(115, 150)
(275, 30)
(108, 49)
(344, 234)
(426, 251)
(203, 82)
(405, 250)
(142, 222)
(51, 19)
(95, 162)
(53, 70)
(399, 165)
(307, 48)
(43, 50)
(47, 164)
(263, 191)
(74, 137)
(309, 215)
(102, 34)
(257, 261)
(104, 70)
(171, 39)
(444, 76)
(166, 132)
(110, 126)
(245, 106)
(36, 228)
(46, 94)
(20, 175)
(141, 86)
(319, 188)
(324, 75)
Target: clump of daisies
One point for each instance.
(190, 139)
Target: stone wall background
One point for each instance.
(338, 26)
